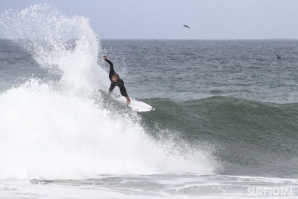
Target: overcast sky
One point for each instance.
(164, 19)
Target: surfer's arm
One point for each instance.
(112, 86)
(112, 72)
(111, 65)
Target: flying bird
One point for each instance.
(277, 56)
(186, 26)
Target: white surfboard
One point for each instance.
(135, 105)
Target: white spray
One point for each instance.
(63, 133)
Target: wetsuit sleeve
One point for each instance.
(112, 72)
(123, 89)
(112, 86)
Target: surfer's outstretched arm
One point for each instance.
(111, 65)
(112, 86)
(112, 71)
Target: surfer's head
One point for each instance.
(115, 77)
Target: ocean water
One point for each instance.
(224, 125)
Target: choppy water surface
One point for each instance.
(225, 118)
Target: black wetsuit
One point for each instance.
(119, 83)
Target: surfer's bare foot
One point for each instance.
(128, 100)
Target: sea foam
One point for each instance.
(64, 130)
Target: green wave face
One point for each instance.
(249, 137)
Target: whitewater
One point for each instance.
(61, 136)
(62, 130)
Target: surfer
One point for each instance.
(116, 81)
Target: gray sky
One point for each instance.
(164, 19)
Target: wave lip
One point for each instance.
(65, 129)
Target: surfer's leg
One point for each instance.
(123, 91)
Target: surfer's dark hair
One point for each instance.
(116, 75)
